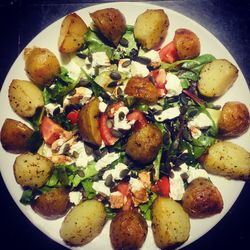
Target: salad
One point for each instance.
(125, 129)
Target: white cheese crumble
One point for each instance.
(50, 108)
(100, 59)
(124, 123)
(115, 172)
(176, 188)
(74, 71)
(102, 106)
(135, 184)
(194, 173)
(46, 150)
(200, 121)
(173, 85)
(138, 69)
(75, 197)
(168, 114)
(100, 187)
(153, 55)
(106, 160)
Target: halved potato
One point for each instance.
(88, 122)
(151, 28)
(111, 23)
(15, 135)
(25, 97)
(72, 33)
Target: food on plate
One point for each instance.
(111, 23)
(123, 130)
(187, 44)
(72, 33)
(83, 223)
(25, 97)
(15, 136)
(128, 230)
(151, 28)
(202, 199)
(53, 204)
(170, 223)
(227, 159)
(234, 119)
(217, 77)
(32, 170)
(41, 65)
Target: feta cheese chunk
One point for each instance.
(194, 173)
(168, 114)
(115, 172)
(154, 56)
(51, 107)
(75, 197)
(119, 123)
(176, 188)
(138, 69)
(102, 106)
(106, 160)
(100, 187)
(74, 71)
(46, 150)
(200, 121)
(173, 85)
(100, 59)
(135, 184)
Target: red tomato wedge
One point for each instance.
(160, 81)
(73, 116)
(168, 53)
(123, 187)
(50, 130)
(105, 131)
(139, 117)
(162, 186)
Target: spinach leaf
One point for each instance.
(145, 209)
(27, 196)
(88, 188)
(35, 141)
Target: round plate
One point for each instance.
(229, 189)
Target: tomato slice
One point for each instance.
(168, 53)
(112, 108)
(50, 130)
(139, 117)
(73, 116)
(160, 81)
(105, 131)
(123, 187)
(162, 186)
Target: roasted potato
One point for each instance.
(202, 199)
(234, 119)
(187, 44)
(15, 135)
(88, 122)
(83, 223)
(151, 28)
(170, 223)
(32, 170)
(41, 65)
(53, 204)
(144, 144)
(25, 97)
(128, 230)
(142, 89)
(111, 23)
(72, 33)
(227, 159)
(217, 77)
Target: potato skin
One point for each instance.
(151, 28)
(53, 204)
(25, 97)
(227, 159)
(187, 44)
(234, 119)
(41, 65)
(111, 23)
(72, 33)
(15, 135)
(128, 230)
(144, 144)
(142, 89)
(170, 223)
(88, 122)
(32, 170)
(83, 223)
(217, 77)
(202, 199)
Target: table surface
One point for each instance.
(228, 20)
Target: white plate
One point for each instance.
(48, 39)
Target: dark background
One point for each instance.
(20, 21)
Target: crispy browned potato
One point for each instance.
(144, 144)
(234, 119)
(202, 199)
(15, 135)
(187, 44)
(111, 23)
(88, 122)
(72, 33)
(53, 204)
(151, 28)
(142, 89)
(128, 230)
(25, 97)
(41, 65)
